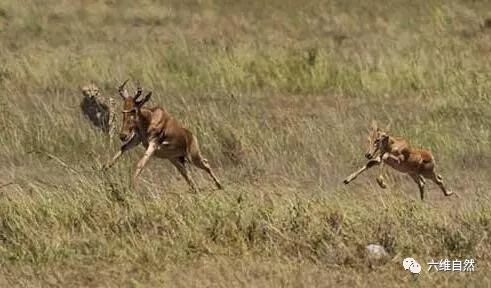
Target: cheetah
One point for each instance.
(98, 110)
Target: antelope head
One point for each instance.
(378, 140)
(131, 112)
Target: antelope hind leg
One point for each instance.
(202, 163)
(183, 169)
(438, 179)
(197, 159)
(381, 181)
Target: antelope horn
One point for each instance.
(139, 91)
(123, 92)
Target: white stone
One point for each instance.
(376, 251)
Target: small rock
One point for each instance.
(376, 252)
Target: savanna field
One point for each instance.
(280, 94)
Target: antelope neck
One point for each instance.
(144, 116)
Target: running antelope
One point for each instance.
(160, 134)
(398, 154)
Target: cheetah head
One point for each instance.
(90, 91)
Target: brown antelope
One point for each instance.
(160, 134)
(397, 153)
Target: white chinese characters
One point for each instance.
(445, 265)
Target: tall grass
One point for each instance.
(280, 94)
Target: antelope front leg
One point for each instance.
(183, 169)
(421, 184)
(152, 146)
(398, 159)
(380, 178)
(367, 166)
(113, 160)
(133, 142)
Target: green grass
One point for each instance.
(280, 95)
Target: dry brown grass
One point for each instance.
(280, 94)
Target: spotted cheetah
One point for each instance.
(98, 110)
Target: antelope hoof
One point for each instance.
(346, 181)
(449, 193)
(381, 183)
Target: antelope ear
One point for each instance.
(139, 91)
(144, 100)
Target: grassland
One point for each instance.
(280, 95)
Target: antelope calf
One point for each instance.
(160, 134)
(398, 154)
